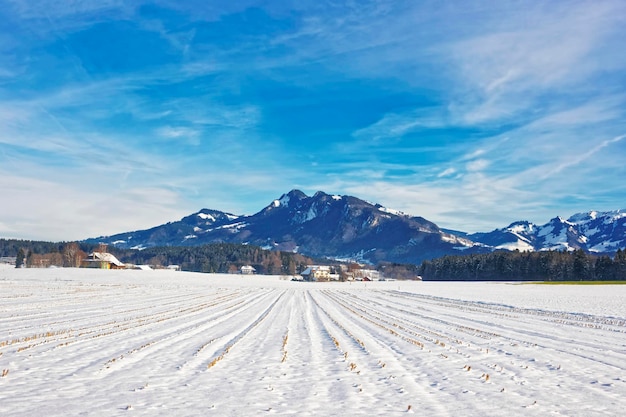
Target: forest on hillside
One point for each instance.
(214, 258)
(211, 258)
(220, 258)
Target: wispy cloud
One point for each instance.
(61, 16)
(445, 111)
(508, 69)
(395, 125)
(580, 158)
(184, 133)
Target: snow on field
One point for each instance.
(155, 343)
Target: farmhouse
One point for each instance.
(102, 260)
(247, 270)
(366, 275)
(316, 273)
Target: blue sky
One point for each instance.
(122, 115)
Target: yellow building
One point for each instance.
(102, 260)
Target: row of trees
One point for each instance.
(11, 247)
(526, 266)
(68, 255)
(219, 258)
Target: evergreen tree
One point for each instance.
(620, 264)
(19, 260)
(581, 266)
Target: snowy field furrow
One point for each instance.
(106, 343)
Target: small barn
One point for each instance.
(366, 275)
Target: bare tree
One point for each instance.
(73, 255)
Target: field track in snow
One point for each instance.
(84, 342)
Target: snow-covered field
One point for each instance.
(104, 343)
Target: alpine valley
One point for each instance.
(345, 227)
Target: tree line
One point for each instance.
(211, 258)
(219, 258)
(526, 266)
(229, 257)
(29, 253)
(214, 258)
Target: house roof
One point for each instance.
(105, 257)
(314, 268)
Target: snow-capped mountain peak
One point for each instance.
(329, 225)
(592, 231)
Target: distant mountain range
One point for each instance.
(595, 232)
(345, 227)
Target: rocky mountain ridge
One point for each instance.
(346, 227)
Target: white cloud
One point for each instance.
(36, 208)
(530, 122)
(468, 207)
(503, 71)
(591, 112)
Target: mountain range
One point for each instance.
(346, 227)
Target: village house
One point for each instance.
(317, 273)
